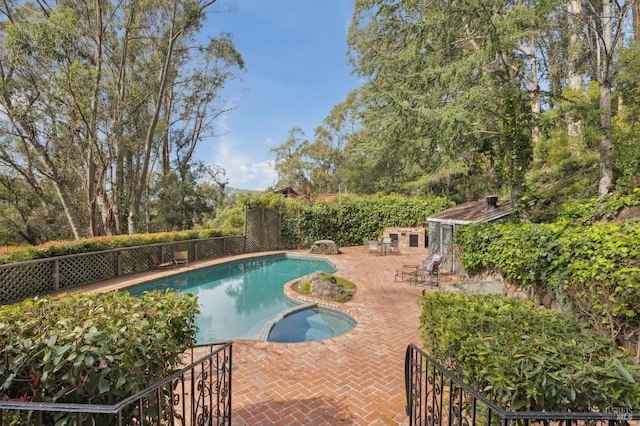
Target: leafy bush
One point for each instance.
(305, 287)
(93, 349)
(350, 218)
(526, 358)
(586, 212)
(597, 268)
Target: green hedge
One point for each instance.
(92, 348)
(597, 268)
(85, 245)
(526, 358)
(350, 218)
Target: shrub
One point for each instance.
(93, 349)
(596, 268)
(350, 218)
(305, 287)
(526, 358)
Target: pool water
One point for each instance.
(238, 298)
(308, 325)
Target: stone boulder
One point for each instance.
(324, 247)
(324, 286)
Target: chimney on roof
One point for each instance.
(492, 202)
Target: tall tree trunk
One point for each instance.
(137, 187)
(574, 9)
(536, 98)
(166, 161)
(636, 19)
(606, 149)
(605, 80)
(91, 177)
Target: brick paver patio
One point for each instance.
(353, 379)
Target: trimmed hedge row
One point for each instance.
(596, 267)
(526, 358)
(85, 245)
(350, 218)
(92, 348)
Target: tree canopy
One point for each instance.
(102, 104)
(474, 97)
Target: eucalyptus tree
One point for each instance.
(318, 165)
(606, 23)
(292, 168)
(96, 93)
(448, 81)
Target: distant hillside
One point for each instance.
(229, 191)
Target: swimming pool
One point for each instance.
(238, 298)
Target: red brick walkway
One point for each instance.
(353, 379)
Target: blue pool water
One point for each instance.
(238, 298)
(310, 324)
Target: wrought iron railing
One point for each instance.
(197, 394)
(437, 397)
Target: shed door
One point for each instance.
(446, 244)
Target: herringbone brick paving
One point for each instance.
(353, 379)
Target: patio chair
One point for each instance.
(407, 271)
(373, 247)
(393, 247)
(423, 276)
(181, 257)
(155, 261)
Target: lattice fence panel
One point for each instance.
(208, 249)
(234, 245)
(253, 223)
(139, 259)
(25, 280)
(263, 229)
(81, 270)
(271, 230)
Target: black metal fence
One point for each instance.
(198, 394)
(437, 397)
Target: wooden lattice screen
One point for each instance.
(262, 229)
(38, 277)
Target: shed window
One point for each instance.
(413, 240)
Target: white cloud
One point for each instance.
(253, 175)
(242, 164)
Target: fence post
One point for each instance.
(245, 229)
(195, 249)
(118, 270)
(56, 275)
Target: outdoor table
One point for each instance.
(383, 245)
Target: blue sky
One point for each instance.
(296, 71)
